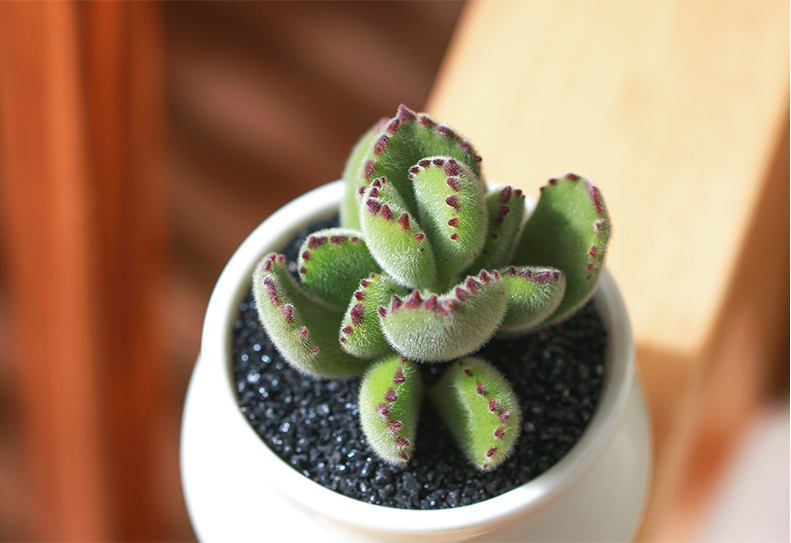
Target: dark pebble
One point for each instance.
(312, 424)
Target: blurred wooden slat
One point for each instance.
(251, 87)
(733, 373)
(267, 99)
(672, 107)
(81, 118)
(678, 110)
(50, 265)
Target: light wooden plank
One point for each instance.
(672, 108)
(679, 112)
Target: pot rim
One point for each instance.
(233, 285)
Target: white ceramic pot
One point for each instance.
(237, 489)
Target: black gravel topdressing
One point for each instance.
(313, 424)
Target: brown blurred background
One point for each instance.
(183, 126)
(141, 142)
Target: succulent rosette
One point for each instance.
(427, 266)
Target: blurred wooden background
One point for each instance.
(680, 112)
(142, 142)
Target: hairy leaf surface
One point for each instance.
(569, 230)
(479, 406)
(361, 332)
(431, 328)
(303, 328)
(533, 295)
(332, 262)
(390, 396)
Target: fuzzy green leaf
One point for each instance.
(390, 397)
(406, 139)
(452, 209)
(533, 295)
(569, 230)
(395, 238)
(479, 406)
(432, 328)
(304, 329)
(332, 262)
(353, 173)
(361, 333)
(506, 208)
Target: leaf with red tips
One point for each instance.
(374, 206)
(356, 314)
(448, 326)
(303, 328)
(288, 313)
(336, 265)
(431, 304)
(570, 218)
(268, 285)
(533, 295)
(363, 317)
(452, 168)
(414, 300)
(399, 376)
(315, 241)
(425, 120)
(471, 397)
(405, 114)
(394, 244)
(505, 209)
(380, 144)
(353, 175)
(415, 138)
(395, 427)
(390, 395)
(452, 211)
(446, 131)
(461, 294)
(448, 307)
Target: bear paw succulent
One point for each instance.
(427, 266)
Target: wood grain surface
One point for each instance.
(81, 120)
(678, 111)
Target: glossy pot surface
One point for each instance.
(237, 489)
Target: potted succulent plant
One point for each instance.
(427, 265)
